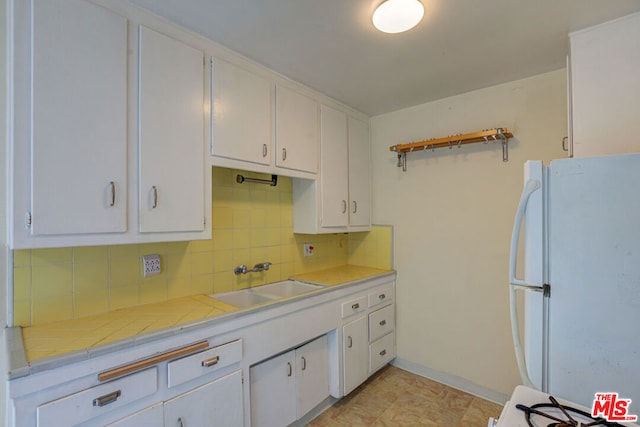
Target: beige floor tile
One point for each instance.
(397, 398)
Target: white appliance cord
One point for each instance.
(530, 187)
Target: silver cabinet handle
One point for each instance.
(344, 206)
(355, 206)
(383, 352)
(355, 306)
(289, 369)
(304, 363)
(179, 422)
(284, 154)
(350, 342)
(383, 322)
(565, 146)
(382, 296)
(264, 150)
(155, 197)
(107, 398)
(112, 186)
(210, 362)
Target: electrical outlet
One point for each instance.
(308, 249)
(151, 265)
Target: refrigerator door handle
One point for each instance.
(530, 187)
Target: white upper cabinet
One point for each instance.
(171, 134)
(359, 174)
(340, 200)
(334, 174)
(297, 130)
(78, 144)
(605, 95)
(242, 114)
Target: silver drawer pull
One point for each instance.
(355, 306)
(154, 189)
(210, 362)
(383, 322)
(382, 296)
(107, 398)
(112, 186)
(383, 352)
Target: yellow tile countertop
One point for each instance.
(51, 344)
(339, 275)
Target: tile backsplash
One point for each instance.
(251, 223)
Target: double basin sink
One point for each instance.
(266, 293)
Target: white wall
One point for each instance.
(3, 216)
(453, 212)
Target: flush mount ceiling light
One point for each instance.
(396, 16)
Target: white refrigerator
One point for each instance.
(581, 278)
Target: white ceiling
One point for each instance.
(331, 45)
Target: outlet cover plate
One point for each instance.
(151, 265)
(308, 249)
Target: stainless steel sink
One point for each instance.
(285, 289)
(243, 299)
(265, 293)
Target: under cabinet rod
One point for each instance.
(272, 182)
(497, 134)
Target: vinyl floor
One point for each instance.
(394, 397)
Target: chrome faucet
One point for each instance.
(242, 269)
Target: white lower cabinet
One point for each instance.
(286, 387)
(152, 416)
(336, 344)
(218, 403)
(368, 342)
(355, 347)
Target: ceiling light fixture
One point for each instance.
(396, 16)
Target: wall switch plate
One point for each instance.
(151, 265)
(308, 249)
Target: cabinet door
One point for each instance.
(218, 403)
(79, 119)
(242, 118)
(605, 62)
(334, 189)
(312, 374)
(356, 353)
(148, 417)
(297, 131)
(359, 174)
(171, 134)
(273, 392)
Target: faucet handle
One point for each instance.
(241, 269)
(261, 266)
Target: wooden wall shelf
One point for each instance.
(497, 134)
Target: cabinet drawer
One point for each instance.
(381, 352)
(96, 401)
(381, 322)
(203, 363)
(354, 306)
(380, 296)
